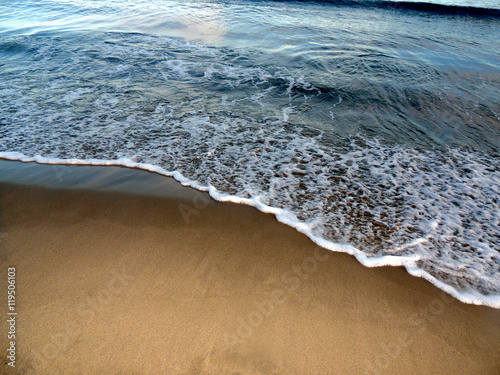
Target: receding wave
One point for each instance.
(380, 145)
(384, 205)
(227, 128)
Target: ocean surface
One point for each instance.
(371, 126)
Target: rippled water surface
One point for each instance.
(372, 127)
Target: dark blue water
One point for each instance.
(373, 127)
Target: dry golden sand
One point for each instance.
(115, 283)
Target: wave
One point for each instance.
(412, 262)
(427, 7)
(254, 128)
(442, 9)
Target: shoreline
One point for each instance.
(122, 176)
(118, 283)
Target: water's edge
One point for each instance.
(283, 216)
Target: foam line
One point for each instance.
(285, 217)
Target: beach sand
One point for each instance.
(121, 271)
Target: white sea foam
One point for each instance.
(410, 261)
(244, 134)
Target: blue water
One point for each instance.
(372, 126)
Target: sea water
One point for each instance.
(371, 126)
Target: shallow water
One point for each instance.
(373, 129)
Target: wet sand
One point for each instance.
(122, 271)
